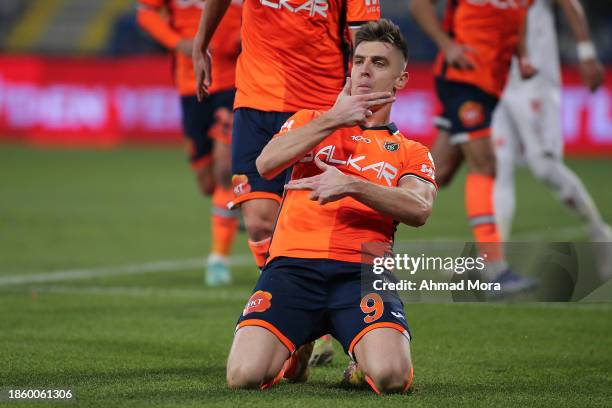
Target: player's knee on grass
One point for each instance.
(250, 374)
(391, 375)
(259, 218)
(384, 355)
(255, 359)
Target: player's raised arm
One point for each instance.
(456, 55)
(213, 12)
(591, 69)
(151, 20)
(349, 110)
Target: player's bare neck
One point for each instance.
(381, 117)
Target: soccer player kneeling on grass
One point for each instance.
(354, 178)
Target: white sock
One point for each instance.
(504, 197)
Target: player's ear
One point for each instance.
(401, 81)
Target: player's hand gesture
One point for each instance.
(592, 73)
(326, 187)
(351, 110)
(201, 67)
(458, 55)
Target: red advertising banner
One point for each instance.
(103, 102)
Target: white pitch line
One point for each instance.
(88, 273)
(203, 293)
(550, 235)
(561, 234)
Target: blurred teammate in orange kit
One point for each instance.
(294, 56)
(477, 40)
(207, 126)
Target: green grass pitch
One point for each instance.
(121, 336)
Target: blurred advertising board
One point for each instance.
(104, 102)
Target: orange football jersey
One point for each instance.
(491, 28)
(184, 18)
(292, 52)
(381, 155)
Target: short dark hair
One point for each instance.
(385, 31)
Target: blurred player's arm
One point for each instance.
(212, 14)
(410, 203)
(282, 152)
(591, 69)
(152, 19)
(456, 54)
(526, 69)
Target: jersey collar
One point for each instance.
(390, 127)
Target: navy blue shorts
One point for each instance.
(467, 110)
(299, 300)
(253, 129)
(198, 119)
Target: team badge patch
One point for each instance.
(392, 146)
(471, 114)
(259, 301)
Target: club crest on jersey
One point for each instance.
(259, 301)
(471, 114)
(312, 7)
(392, 146)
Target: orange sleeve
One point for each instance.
(299, 119)
(419, 164)
(156, 25)
(362, 11)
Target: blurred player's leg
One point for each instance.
(446, 157)
(506, 150)
(259, 218)
(204, 177)
(479, 185)
(256, 359)
(479, 188)
(224, 222)
(384, 356)
(257, 197)
(543, 141)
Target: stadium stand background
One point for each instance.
(76, 27)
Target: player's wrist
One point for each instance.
(445, 44)
(586, 51)
(330, 120)
(352, 186)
